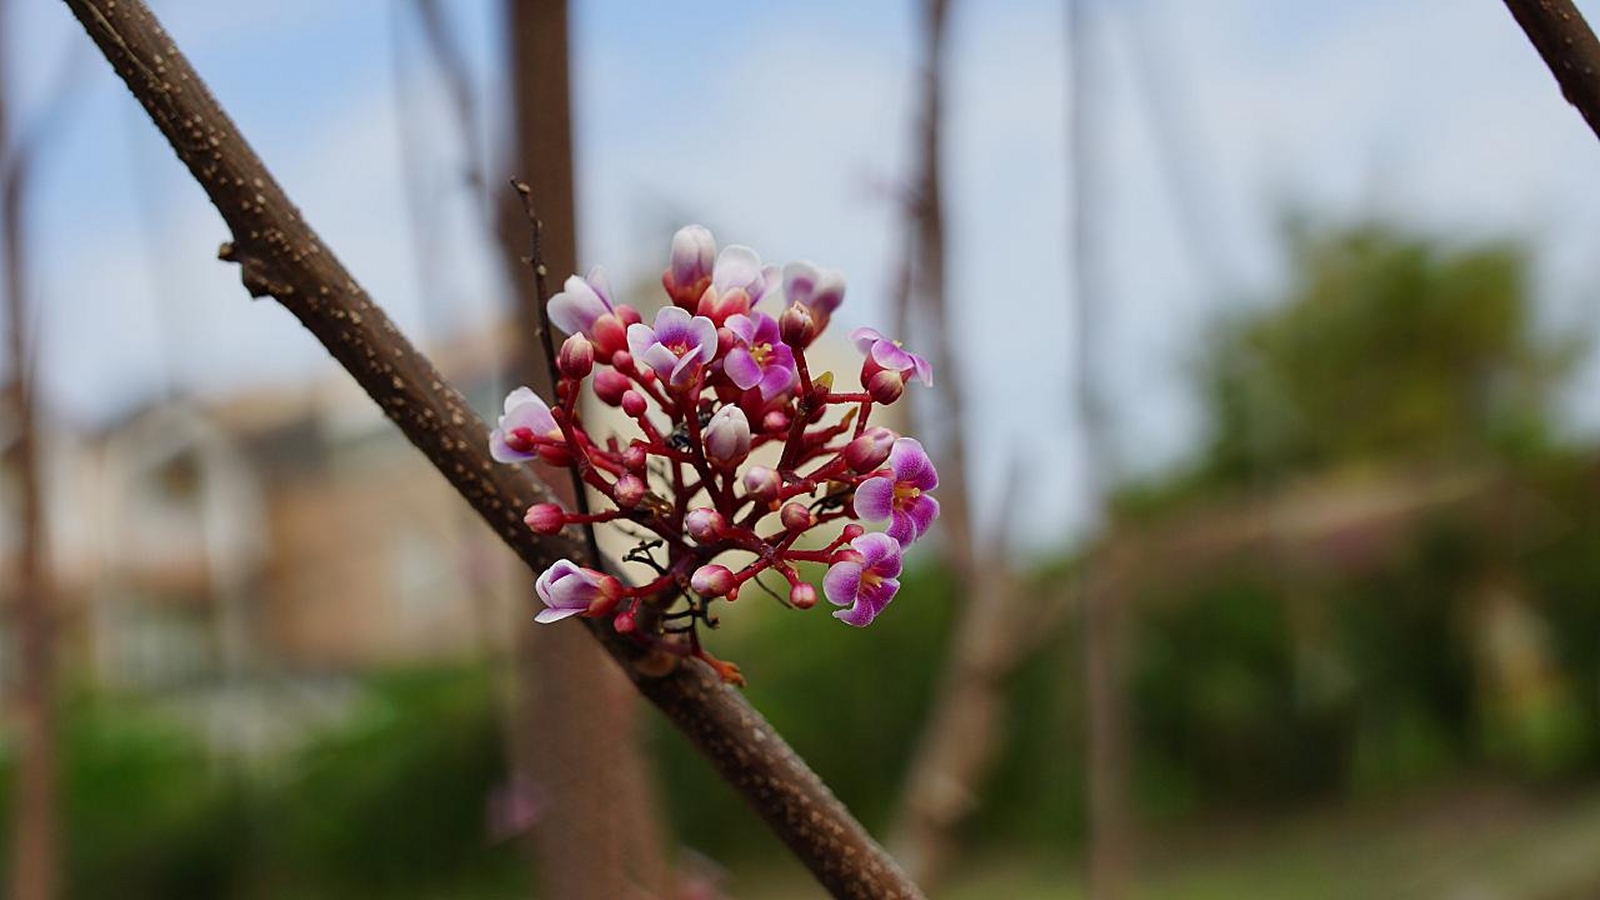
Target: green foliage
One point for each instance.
(394, 802)
(389, 804)
(1384, 345)
(851, 701)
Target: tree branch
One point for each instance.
(279, 255)
(1569, 48)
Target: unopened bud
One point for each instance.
(797, 327)
(610, 334)
(576, 358)
(610, 385)
(868, 451)
(705, 525)
(633, 403)
(885, 386)
(795, 517)
(712, 580)
(625, 623)
(727, 435)
(545, 518)
(803, 596)
(635, 457)
(762, 484)
(775, 421)
(628, 491)
(853, 531)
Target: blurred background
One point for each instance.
(1270, 562)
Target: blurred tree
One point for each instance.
(576, 740)
(35, 855)
(1386, 344)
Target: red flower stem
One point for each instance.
(861, 420)
(592, 518)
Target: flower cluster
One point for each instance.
(713, 380)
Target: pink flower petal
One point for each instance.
(841, 583)
(502, 452)
(546, 616)
(911, 464)
(902, 528)
(640, 338)
(777, 379)
(742, 327)
(533, 415)
(742, 368)
(922, 511)
(736, 266)
(799, 281)
(891, 357)
(875, 548)
(874, 498)
(575, 308)
(866, 338)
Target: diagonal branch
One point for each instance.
(1569, 48)
(279, 255)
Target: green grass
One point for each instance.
(1493, 844)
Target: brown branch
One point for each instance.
(1569, 48)
(279, 255)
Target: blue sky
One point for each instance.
(779, 125)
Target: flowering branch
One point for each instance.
(279, 255)
(692, 384)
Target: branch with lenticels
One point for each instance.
(1569, 48)
(280, 256)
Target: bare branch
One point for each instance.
(279, 255)
(1560, 34)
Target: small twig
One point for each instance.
(580, 492)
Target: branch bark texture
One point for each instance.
(1568, 46)
(281, 256)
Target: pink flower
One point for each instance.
(901, 496)
(676, 347)
(821, 290)
(688, 272)
(884, 355)
(738, 280)
(526, 417)
(739, 268)
(580, 302)
(694, 252)
(568, 589)
(864, 579)
(758, 357)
